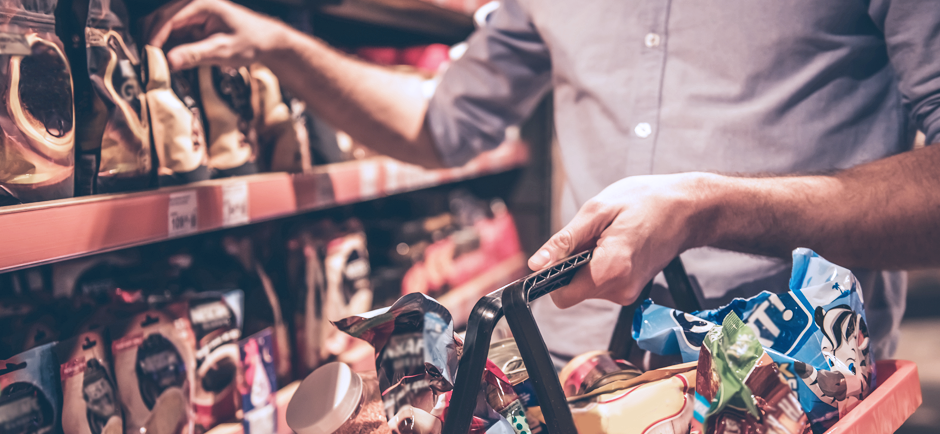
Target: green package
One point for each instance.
(735, 351)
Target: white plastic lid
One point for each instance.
(325, 400)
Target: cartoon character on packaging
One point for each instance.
(846, 350)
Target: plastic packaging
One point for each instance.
(29, 392)
(37, 120)
(816, 333)
(216, 323)
(90, 402)
(259, 383)
(283, 139)
(154, 367)
(228, 101)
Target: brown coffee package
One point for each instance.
(37, 121)
(229, 103)
(283, 140)
(176, 120)
(90, 402)
(215, 319)
(154, 366)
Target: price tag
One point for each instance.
(235, 204)
(183, 213)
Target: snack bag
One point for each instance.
(37, 120)
(179, 140)
(816, 333)
(416, 354)
(259, 383)
(154, 366)
(308, 287)
(90, 402)
(348, 288)
(283, 139)
(742, 387)
(29, 392)
(216, 324)
(229, 103)
(113, 129)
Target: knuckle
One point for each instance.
(564, 240)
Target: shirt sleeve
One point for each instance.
(497, 83)
(912, 33)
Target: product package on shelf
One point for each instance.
(229, 104)
(154, 365)
(283, 139)
(113, 131)
(29, 392)
(816, 334)
(90, 401)
(259, 383)
(216, 323)
(176, 120)
(37, 121)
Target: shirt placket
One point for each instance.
(652, 60)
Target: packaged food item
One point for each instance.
(283, 139)
(334, 399)
(229, 103)
(216, 323)
(593, 370)
(114, 133)
(742, 386)
(502, 398)
(90, 402)
(816, 333)
(155, 370)
(29, 392)
(348, 288)
(37, 118)
(308, 287)
(259, 383)
(659, 401)
(179, 139)
(416, 354)
(505, 355)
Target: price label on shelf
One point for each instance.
(235, 204)
(183, 213)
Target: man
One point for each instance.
(647, 93)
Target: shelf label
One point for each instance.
(234, 204)
(183, 213)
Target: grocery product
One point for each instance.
(334, 399)
(216, 323)
(348, 287)
(179, 138)
(113, 132)
(229, 105)
(29, 392)
(259, 383)
(90, 402)
(308, 287)
(594, 370)
(283, 139)
(155, 370)
(816, 333)
(742, 387)
(502, 398)
(37, 122)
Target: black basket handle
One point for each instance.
(513, 300)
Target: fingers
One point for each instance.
(181, 14)
(611, 275)
(581, 233)
(215, 49)
(581, 288)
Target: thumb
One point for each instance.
(215, 49)
(581, 233)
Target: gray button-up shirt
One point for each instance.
(735, 86)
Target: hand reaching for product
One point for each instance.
(635, 226)
(213, 32)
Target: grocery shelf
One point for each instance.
(50, 231)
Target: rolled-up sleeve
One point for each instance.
(912, 33)
(497, 83)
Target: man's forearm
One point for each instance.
(884, 214)
(379, 107)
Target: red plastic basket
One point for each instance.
(894, 399)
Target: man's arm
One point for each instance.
(379, 107)
(879, 215)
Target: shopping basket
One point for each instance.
(894, 399)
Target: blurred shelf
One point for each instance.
(51, 231)
(400, 23)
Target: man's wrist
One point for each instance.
(708, 199)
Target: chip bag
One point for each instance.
(816, 333)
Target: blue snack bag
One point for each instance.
(816, 333)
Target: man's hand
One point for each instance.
(215, 32)
(636, 226)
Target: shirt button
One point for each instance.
(643, 130)
(652, 40)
